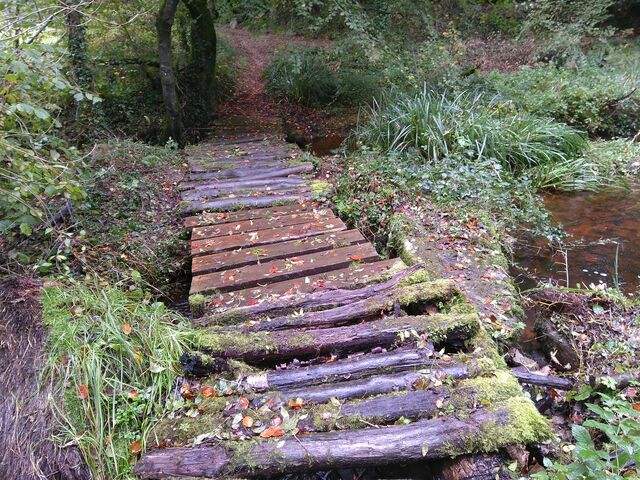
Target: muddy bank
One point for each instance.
(26, 418)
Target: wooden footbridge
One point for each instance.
(313, 353)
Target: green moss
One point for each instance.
(197, 305)
(488, 390)
(300, 340)
(438, 326)
(426, 292)
(320, 186)
(420, 276)
(182, 429)
(237, 343)
(483, 345)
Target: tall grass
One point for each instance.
(475, 127)
(112, 356)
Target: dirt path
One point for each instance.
(256, 51)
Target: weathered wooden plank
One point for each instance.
(265, 237)
(206, 218)
(251, 225)
(250, 256)
(276, 188)
(301, 266)
(354, 276)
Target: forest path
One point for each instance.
(255, 52)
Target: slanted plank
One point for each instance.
(356, 275)
(216, 218)
(223, 176)
(303, 265)
(251, 256)
(251, 225)
(257, 191)
(265, 237)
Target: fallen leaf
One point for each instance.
(136, 447)
(247, 421)
(273, 269)
(243, 403)
(209, 392)
(636, 407)
(272, 432)
(252, 301)
(126, 328)
(297, 403)
(356, 258)
(83, 391)
(133, 394)
(440, 402)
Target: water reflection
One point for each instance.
(603, 227)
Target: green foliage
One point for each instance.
(437, 126)
(38, 167)
(598, 99)
(607, 445)
(112, 357)
(310, 77)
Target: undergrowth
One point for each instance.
(112, 357)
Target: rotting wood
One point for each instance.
(272, 347)
(210, 193)
(506, 423)
(525, 376)
(308, 302)
(246, 202)
(260, 173)
(254, 225)
(308, 264)
(216, 218)
(277, 251)
(417, 295)
(244, 184)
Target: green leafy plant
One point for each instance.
(607, 445)
(112, 357)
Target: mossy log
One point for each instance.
(443, 330)
(243, 202)
(287, 185)
(514, 421)
(462, 397)
(525, 376)
(415, 296)
(345, 369)
(238, 173)
(307, 302)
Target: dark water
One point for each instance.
(603, 227)
(323, 146)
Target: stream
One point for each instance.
(602, 247)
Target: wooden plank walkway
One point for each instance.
(354, 360)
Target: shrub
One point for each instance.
(310, 77)
(440, 125)
(595, 99)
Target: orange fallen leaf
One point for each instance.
(247, 421)
(133, 394)
(185, 391)
(126, 328)
(356, 258)
(272, 432)
(243, 403)
(83, 391)
(273, 269)
(209, 392)
(297, 403)
(636, 407)
(252, 301)
(136, 447)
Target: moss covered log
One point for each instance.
(452, 330)
(512, 422)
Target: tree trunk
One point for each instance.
(77, 43)
(164, 24)
(203, 55)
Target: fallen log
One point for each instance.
(462, 396)
(240, 184)
(451, 330)
(225, 177)
(345, 369)
(525, 376)
(514, 421)
(254, 173)
(243, 202)
(309, 301)
(415, 296)
(214, 192)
